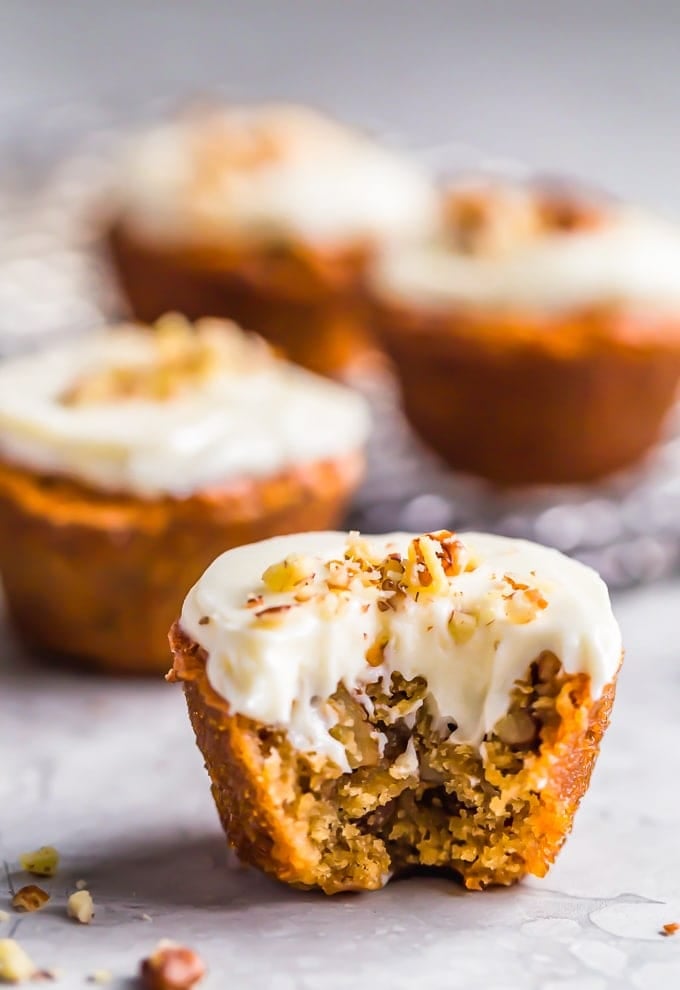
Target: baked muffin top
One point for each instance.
(171, 410)
(528, 246)
(269, 174)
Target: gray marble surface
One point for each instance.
(107, 771)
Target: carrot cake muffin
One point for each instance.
(368, 705)
(129, 459)
(538, 339)
(268, 215)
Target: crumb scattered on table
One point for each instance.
(30, 898)
(80, 906)
(16, 966)
(42, 862)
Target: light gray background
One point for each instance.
(108, 771)
(591, 88)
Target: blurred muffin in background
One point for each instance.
(538, 338)
(268, 215)
(131, 458)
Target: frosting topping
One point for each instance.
(287, 620)
(270, 172)
(515, 247)
(171, 411)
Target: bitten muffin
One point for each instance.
(131, 458)
(365, 706)
(538, 339)
(268, 215)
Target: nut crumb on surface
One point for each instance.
(171, 967)
(16, 966)
(100, 976)
(146, 917)
(80, 907)
(670, 928)
(42, 862)
(5, 915)
(30, 898)
(80, 884)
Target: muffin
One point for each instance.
(268, 215)
(367, 706)
(129, 459)
(538, 338)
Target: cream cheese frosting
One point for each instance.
(270, 172)
(630, 258)
(285, 621)
(149, 414)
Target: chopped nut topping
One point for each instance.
(433, 559)
(518, 729)
(375, 654)
(30, 898)
(489, 222)
(462, 626)
(80, 907)
(171, 967)
(272, 614)
(431, 562)
(16, 965)
(286, 575)
(183, 357)
(41, 862)
(524, 604)
(492, 221)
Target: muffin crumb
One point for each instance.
(42, 862)
(80, 907)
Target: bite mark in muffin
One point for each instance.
(473, 761)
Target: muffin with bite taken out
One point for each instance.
(367, 705)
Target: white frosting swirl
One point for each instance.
(253, 417)
(281, 673)
(631, 258)
(270, 172)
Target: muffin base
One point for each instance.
(101, 578)
(306, 303)
(487, 820)
(521, 399)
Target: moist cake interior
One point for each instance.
(414, 797)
